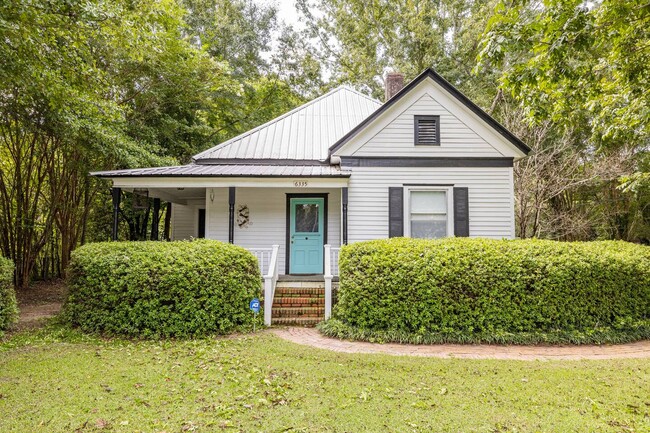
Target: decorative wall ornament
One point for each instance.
(243, 216)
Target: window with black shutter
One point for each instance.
(427, 130)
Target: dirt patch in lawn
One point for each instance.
(40, 301)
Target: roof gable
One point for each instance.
(396, 133)
(476, 119)
(305, 133)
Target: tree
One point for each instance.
(88, 86)
(64, 109)
(361, 40)
(583, 69)
(568, 60)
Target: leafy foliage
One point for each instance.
(578, 72)
(153, 289)
(571, 61)
(360, 40)
(88, 86)
(8, 307)
(489, 289)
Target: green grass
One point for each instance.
(55, 380)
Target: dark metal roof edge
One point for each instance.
(339, 175)
(420, 161)
(450, 89)
(261, 161)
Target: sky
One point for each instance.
(287, 11)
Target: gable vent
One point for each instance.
(427, 130)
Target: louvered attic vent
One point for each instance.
(427, 130)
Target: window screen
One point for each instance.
(428, 214)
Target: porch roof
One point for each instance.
(230, 170)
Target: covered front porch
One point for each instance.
(294, 226)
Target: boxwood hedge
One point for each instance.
(480, 290)
(8, 307)
(161, 289)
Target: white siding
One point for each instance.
(491, 212)
(456, 138)
(268, 216)
(184, 222)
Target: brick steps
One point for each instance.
(297, 321)
(282, 292)
(315, 312)
(298, 303)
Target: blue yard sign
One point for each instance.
(254, 305)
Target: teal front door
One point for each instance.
(306, 235)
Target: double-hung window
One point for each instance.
(428, 212)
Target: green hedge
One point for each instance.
(161, 289)
(8, 307)
(479, 290)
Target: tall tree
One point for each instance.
(361, 40)
(67, 89)
(584, 69)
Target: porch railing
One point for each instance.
(263, 258)
(268, 262)
(331, 271)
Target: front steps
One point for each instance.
(300, 303)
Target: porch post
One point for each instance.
(168, 222)
(154, 221)
(344, 217)
(231, 214)
(117, 197)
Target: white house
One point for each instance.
(345, 168)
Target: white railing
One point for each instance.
(331, 271)
(335, 261)
(263, 258)
(268, 262)
(270, 280)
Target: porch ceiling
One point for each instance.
(174, 195)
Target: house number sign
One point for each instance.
(300, 183)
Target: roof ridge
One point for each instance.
(352, 89)
(275, 120)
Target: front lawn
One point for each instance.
(54, 381)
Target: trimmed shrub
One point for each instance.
(8, 306)
(161, 289)
(507, 291)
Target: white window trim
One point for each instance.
(449, 190)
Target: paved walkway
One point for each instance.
(311, 337)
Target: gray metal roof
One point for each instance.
(305, 133)
(230, 170)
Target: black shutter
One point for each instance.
(395, 212)
(461, 211)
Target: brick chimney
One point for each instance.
(394, 83)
